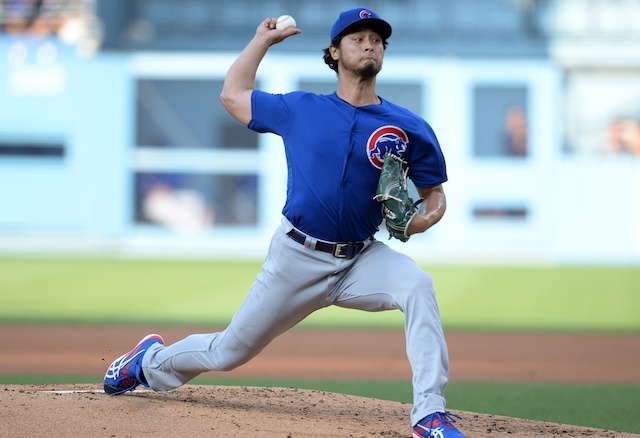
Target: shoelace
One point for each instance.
(444, 417)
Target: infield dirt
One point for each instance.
(222, 411)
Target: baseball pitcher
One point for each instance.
(350, 155)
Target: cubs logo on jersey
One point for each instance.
(386, 139)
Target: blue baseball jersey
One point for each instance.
(334, 155)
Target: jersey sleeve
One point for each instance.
(271, 112)
(427, 166)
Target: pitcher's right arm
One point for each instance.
(241, 77)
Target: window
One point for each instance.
(194, 202)
(180, 113)
(500, 121)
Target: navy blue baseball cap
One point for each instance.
(360, 17)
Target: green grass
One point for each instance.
(209, 292)
(124, 291)
(544, 298)
(603, 406)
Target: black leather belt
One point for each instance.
(343, 250)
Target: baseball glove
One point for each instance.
(397, 207)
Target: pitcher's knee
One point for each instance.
(418, 287)
(420, 281)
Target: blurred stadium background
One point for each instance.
(112, 139)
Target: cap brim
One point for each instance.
(381, 27)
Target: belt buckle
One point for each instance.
(337, 251)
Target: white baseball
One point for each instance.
(285, 21)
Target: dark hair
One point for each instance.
(332, 63)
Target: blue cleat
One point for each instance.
(125, 373)
(437, 425)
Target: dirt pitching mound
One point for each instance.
(216, 411)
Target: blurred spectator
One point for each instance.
(516, 135)
(182, 210)
(166, 199)
(38, 17)
(72, 21)
(623, 136)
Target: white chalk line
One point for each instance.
(83, 391)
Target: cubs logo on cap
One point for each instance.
(360, 17)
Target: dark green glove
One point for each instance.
(397, 207)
